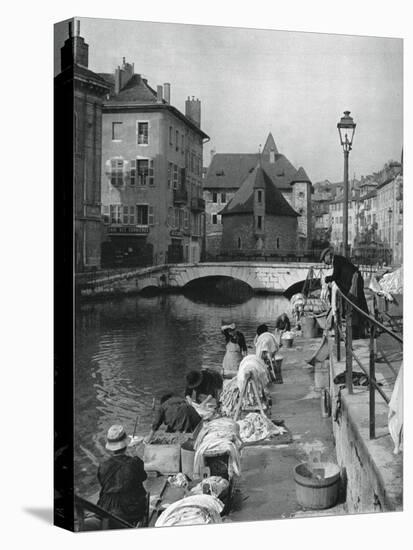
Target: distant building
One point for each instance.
(258, 220)
(228, 171)
(79, 93)
(151, 173)
(336, 221)
(390, 216)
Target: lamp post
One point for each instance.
(346, 128)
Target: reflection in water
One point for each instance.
(131, 349)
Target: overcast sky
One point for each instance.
(252, 82)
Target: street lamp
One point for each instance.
(346, 128)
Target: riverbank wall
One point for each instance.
(372, 474)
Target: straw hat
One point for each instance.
(116, 438)
(194, 378)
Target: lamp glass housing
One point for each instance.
(346, 128)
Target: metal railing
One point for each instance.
(349, 308)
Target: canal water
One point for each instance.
(132, 349)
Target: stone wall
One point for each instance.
(373, 475)
(240, 230)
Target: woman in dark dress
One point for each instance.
(351, 283)
(121, 477)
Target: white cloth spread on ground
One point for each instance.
(217, 437)
(192, 510)
(256, 427)
(395, 415)
(266, 342)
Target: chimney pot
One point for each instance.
(70, 29)
(167, 92)
(123, 60)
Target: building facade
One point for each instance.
(227, 172)
(84, 90)
(152, 201)
(258, 220)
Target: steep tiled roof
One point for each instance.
(243, 200)
(228, 170)
(301, 176)
(136, 90)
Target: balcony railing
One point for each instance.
(197, 204)
(180, 196)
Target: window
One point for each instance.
(142, 130)
(278, 242)
(125, 214)
(259, 222)
(142, 214)
(116, 131)
(182, 144)
(186, 219)
(301, 194)
(177, 140)
(142, 171)
(170, 170)
(132, 180)
(132, 215)
(214, 219)
(239, 242)
(214, 197)
(259, 195)
(175, 180)
(171, 130)
(106, 214)
(223, 198)
(116, 174)
(115, 213)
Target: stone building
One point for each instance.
(225, 175)
(79, 93)
(258, 220)
(151, 173)
(390, 216)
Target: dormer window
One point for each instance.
(220, 173)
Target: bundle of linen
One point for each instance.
(256, 427)
(266, 342)
(253, 367)
(219, 436)
(216, 484)
(192, 510)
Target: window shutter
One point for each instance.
(151, 215)
(186, 219)
(151, 178)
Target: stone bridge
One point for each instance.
(261, 277)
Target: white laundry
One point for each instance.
(192, 510)
(395, 415)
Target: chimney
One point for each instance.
(75, 49)
(117, 80)
(159, 94)
(167, 92)
(193, 110)
(212, 152)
